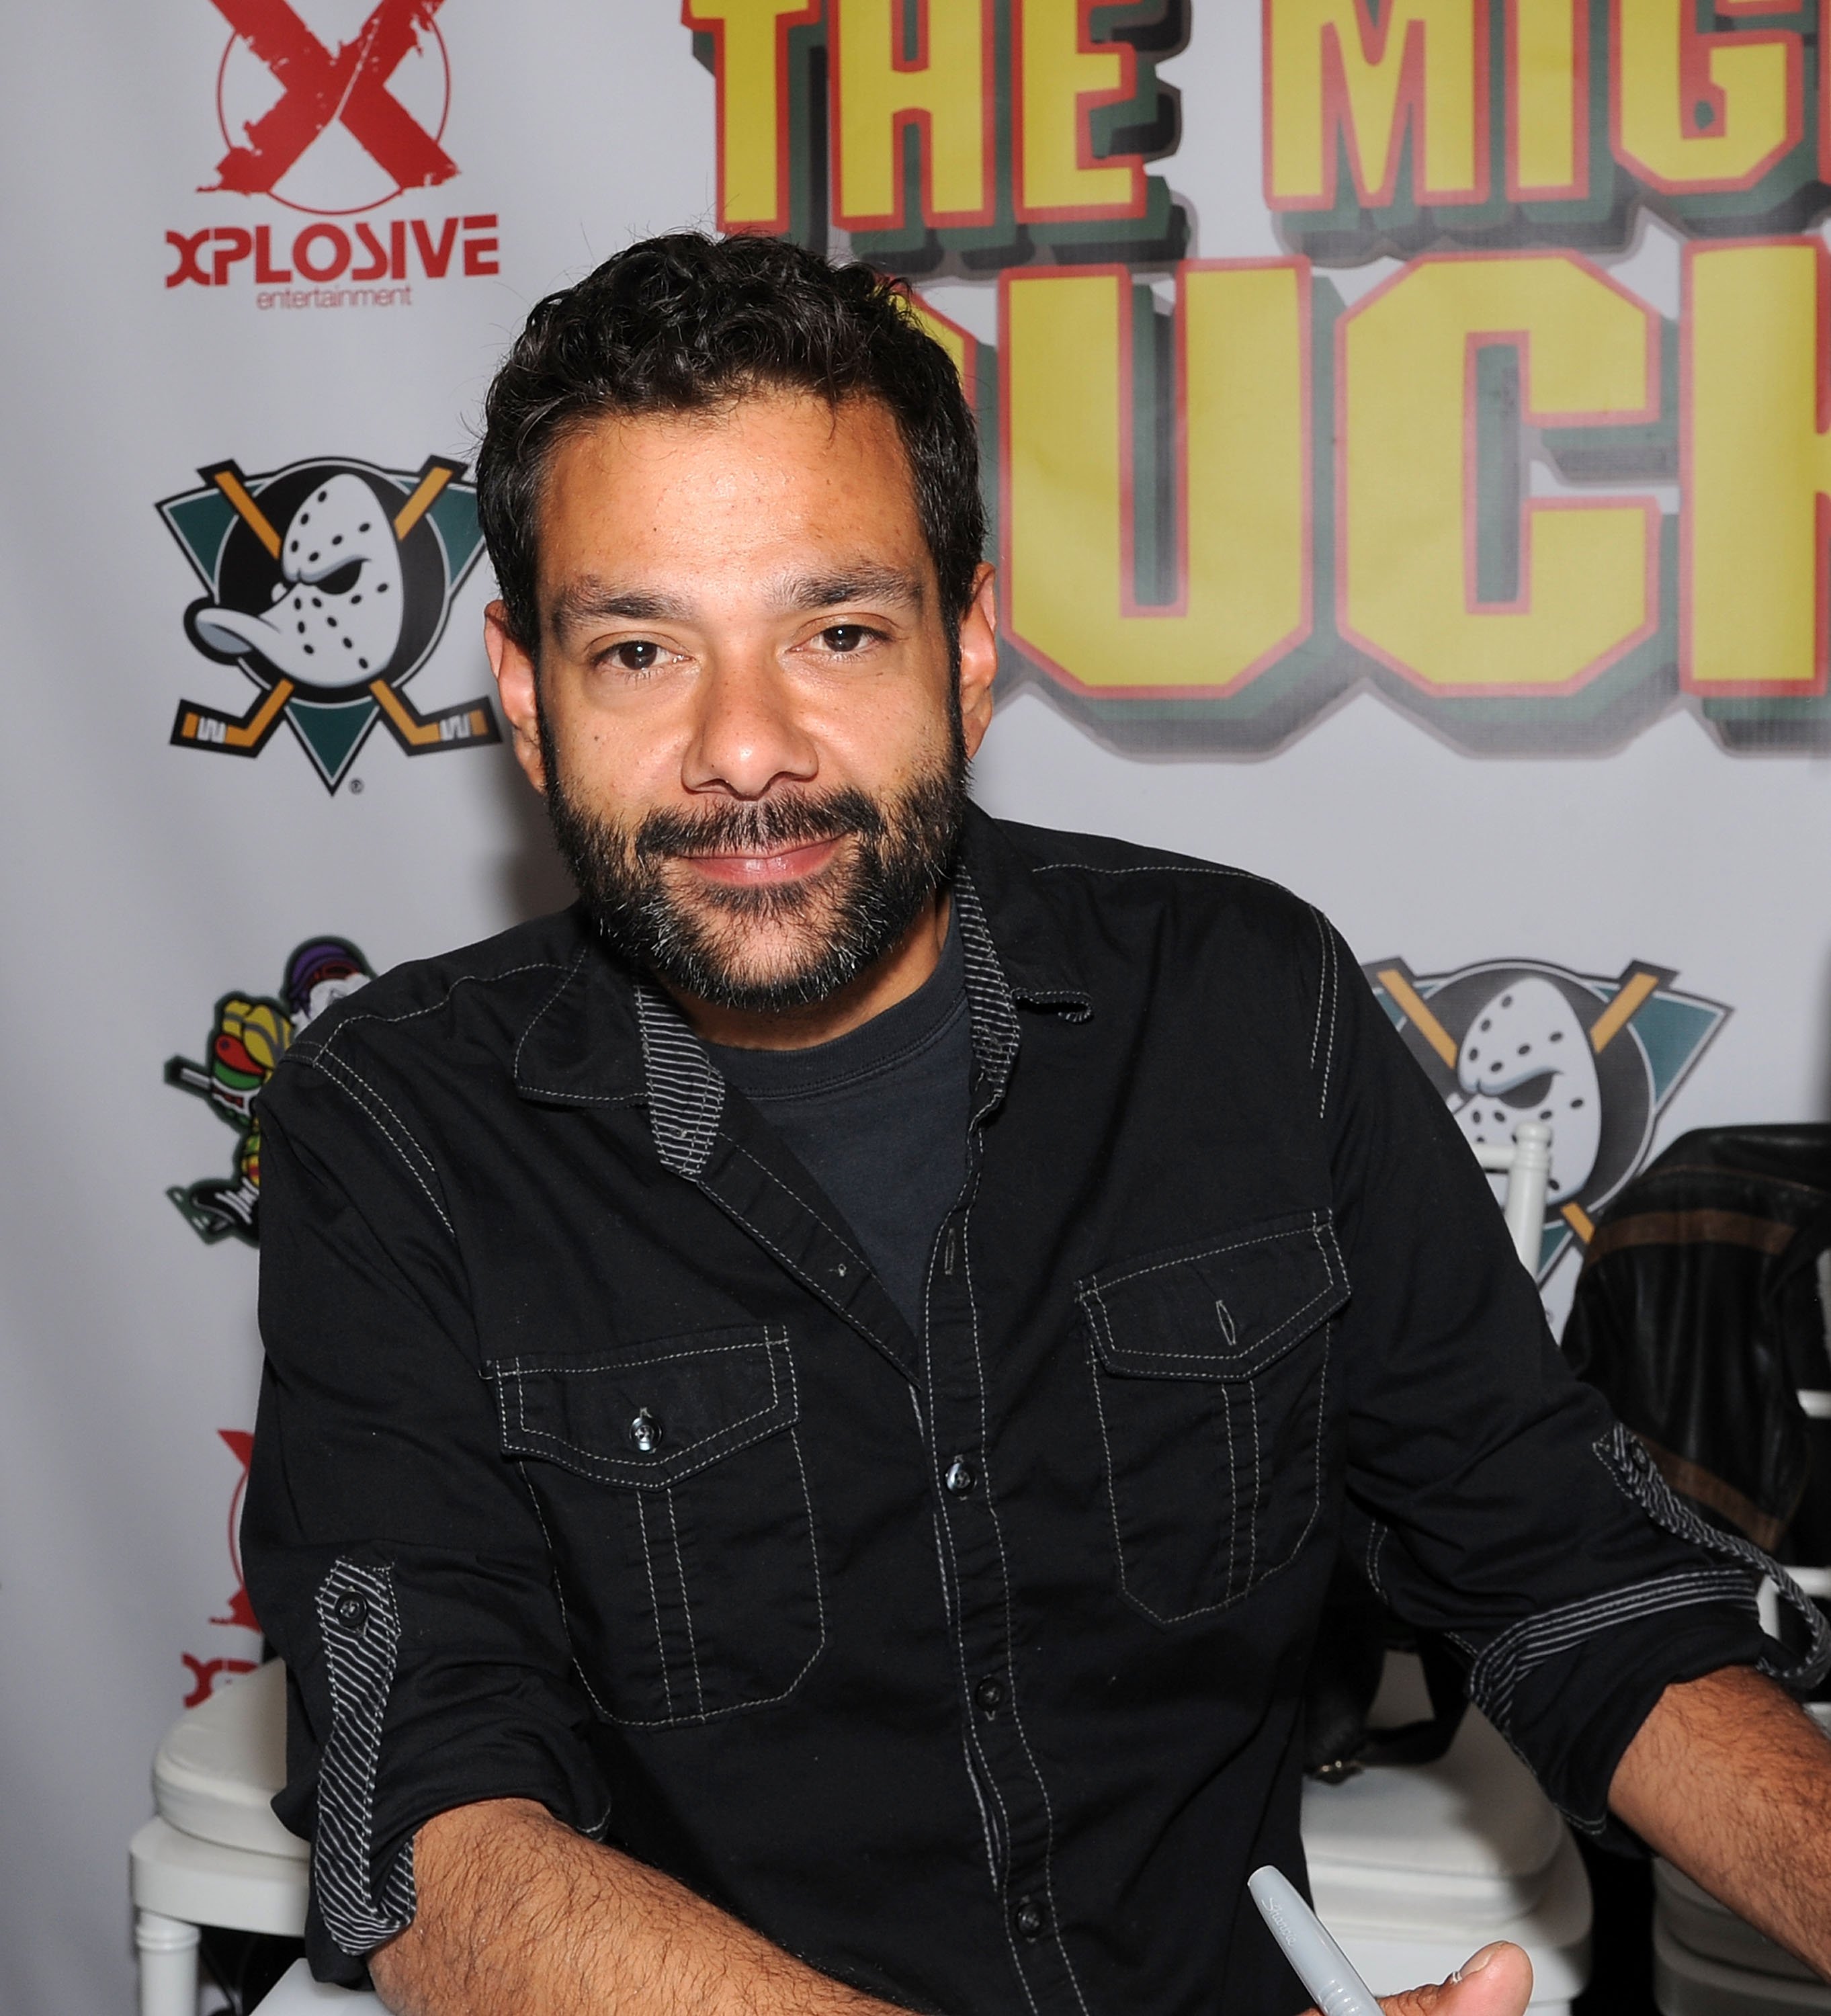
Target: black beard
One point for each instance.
(891, 859)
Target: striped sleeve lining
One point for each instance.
(1622, 1455)
(360, 1624)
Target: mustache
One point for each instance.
(770, 825)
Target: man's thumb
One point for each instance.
(1495, 1982)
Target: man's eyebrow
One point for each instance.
(590, 601)
(856, 584)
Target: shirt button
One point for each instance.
(990, 1693)
(644, 1432)
(350, 1610)
(961, 1476)
(1030, 1917)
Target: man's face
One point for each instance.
(747, 720)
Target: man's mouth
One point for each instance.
(771, 869)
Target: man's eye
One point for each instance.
(844, 637)
(638, 656)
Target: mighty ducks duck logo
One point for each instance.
(1596, 1059)
(328, 583)
(250, 1035)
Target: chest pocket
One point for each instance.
(670, 1481)
(1209, 1367)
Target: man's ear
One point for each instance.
(979, 657)
(519, 690)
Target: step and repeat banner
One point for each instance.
(1406, 434)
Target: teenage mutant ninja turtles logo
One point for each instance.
(328, 583)
(250, 1034)
(1596, 1059)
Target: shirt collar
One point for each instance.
(606, 1036)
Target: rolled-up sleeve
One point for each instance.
(1492, 1497)
(393, 1557)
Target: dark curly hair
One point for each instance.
(685, 322)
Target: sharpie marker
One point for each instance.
(1319, 1963)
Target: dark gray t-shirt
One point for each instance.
(878, 1117)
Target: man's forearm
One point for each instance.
(517, 1912)
(1730, 1780)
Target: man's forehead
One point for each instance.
(824, 423)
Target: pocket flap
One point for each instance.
(1223, 1310)
(648, 1417)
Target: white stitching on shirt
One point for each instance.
(1377, 1534)
(1329, 984)
(332, 1062)
(838, 1237)
(762, 1700)
(641, 1512)
(1528, 1644)
(1259, 1484)
(310, 1054)
(1154, 868)
(1222, 1358)
(1336, 1282)
(686, 1607)
(999, 1842)
(559, 1597)
(1010, 1622)
(517, 1368)
(1233, 1491)
(336, 1071)
(768, 1701)
(1098, 1319)
(800, 1274)
(1106, 1280)
(774, 1335)
(566, 980)
(722, 1442)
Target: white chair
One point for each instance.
(1415, 1866)
(297, 1994)
(214, 1854)
(1527, 1166)
(1707, 1962)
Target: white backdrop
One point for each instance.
(145, 880)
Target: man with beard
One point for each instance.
(812, 1400)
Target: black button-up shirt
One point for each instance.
(595, 1467)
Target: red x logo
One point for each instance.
(320, 87)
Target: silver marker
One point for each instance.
(1320, 1964)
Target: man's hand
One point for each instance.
(517, 1912)
(1730, 1780)
(1495, 1982)
(1498, 1982)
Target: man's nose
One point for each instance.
(746, 735)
